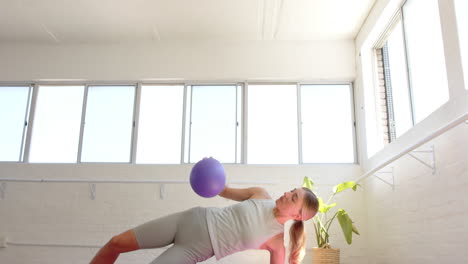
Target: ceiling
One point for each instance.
(117, 21)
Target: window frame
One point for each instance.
(33, 115)
(83, 120)
(246, 103)
(136, 127)
(382, 45)
(399, 17)
(353, 121)
(241, 138)
(26, 121)
(187, 120)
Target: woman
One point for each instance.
(200, 233)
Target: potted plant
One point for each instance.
(324, 219)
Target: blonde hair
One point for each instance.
(297, 233)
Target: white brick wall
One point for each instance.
(425, 219)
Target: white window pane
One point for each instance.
(272, 124)
(327, 125)
(160, 124)
(213, 129)
(461, 10)
(57, 122)
(399, 80)
(13, 107)
(108, 124)
(426, 59)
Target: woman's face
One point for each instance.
(290, 204)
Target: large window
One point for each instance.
(414, 69)
(327, 124)
(14, 103)
(178, 123)
(108, 124)
(272, 136)
(160, 124)
(213, 123)
(461, 9)
(57, 122)
(397, 84)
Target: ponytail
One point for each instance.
(296, 242)
(297, 232)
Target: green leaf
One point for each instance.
(323, 208)
(308, 183)
(346, 225)
(344, 186)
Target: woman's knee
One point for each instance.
(124, 242)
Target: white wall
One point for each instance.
(59, 213)
(249, 60)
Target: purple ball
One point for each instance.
(207, 177)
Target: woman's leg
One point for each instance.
(192, 243)
(124, 242)
(154, 234)
(159, 232)
(187, 230)
(176, 255)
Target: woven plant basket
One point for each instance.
(325, 256)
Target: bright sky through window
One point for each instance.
(13, 109)
(160, 124)
(57, 122)
(327, 124)
(272, 124)
(426, 58)
(108, 124)
(213, 117)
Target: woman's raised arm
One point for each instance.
(275, 246)
(244, 194)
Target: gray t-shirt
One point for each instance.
(242, 226)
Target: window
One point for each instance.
(461, 7)
(57, 123)
(272, 136)
(160, 124)
(398, 93)
(327, 124)
(213, 123)
(287, 123)
(108, 124)
(14, 103)
(414, 72)
(426, 60)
